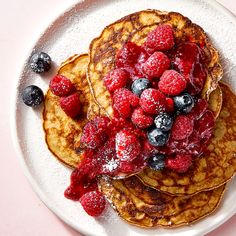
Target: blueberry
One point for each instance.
(157, 137)
(32, 96)
(184, 103)
(139, 85)
(40, 62)
(157, 162)
(164, 121)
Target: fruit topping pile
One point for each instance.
(159, 119)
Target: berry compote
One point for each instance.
(166, 119)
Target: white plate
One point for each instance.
(71, 33)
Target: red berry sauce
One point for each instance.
(188, 59)
(107, 159)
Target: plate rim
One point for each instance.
(13, 121)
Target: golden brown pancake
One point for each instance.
(62, 133)
(147, 207)
(215, 167)
(135, 27)
(215, 101)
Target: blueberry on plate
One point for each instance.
(163, 121)
(32, 96)
(157, 137)
(184, 103)
(139, 85)
(157, 162)
(40, 62)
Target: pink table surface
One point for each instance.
(21, 211)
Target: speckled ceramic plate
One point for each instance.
(71, 33)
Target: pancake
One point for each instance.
(62, 133)
(215, 101)
(135, 27)
(147, 207)
(214, 168)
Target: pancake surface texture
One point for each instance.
(147, 207)
(215, 167)
(135, 27)
(62, 133)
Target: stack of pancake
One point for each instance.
(151, 198)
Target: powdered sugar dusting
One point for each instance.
(70, 34)
(111, 165)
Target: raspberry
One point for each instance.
(128, 55)
(170, 106)
(172, 83)
(160, 39)
(152, 101)
(93, 203)
(61, 86)
(95, 132)
(156, 64)
(180, 163)
(182, 127)
(140, 119)
(116, 79)
(101, 123)
(89, 136)
(127, 146)
(117, 124)
(123, 101)
(71, 105)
